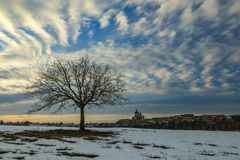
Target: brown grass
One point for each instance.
(126, 142)
(161, 146)
(213, 145)
(4, 152)
(141, 144)
(73, 154)
(91, 138)
(64, 140)
(64, 149)
(154, 157)
(29, 139)
(56, 134)
(45, 145)
(207, 153)
(113, 142)
(31, 152)
(138, 147)
(18, 158)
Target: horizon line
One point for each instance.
(74, 118)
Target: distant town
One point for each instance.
(177, 122)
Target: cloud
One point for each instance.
(209, 9)
(167, 33)
(137, 27)
(78, 9)
(235, 7)
(10, 98)
(187, 16)
(121, 20)
(104, 21)
(162, 47)
(235, 57)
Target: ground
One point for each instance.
(124, 144)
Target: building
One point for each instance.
(137, 118)
(124, 122)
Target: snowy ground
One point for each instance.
(129, 144)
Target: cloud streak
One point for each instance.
(162, 47)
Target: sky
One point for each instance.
(176, 56)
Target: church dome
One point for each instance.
(136, 112)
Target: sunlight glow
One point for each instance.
(71, 118)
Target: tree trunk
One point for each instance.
(82, 126)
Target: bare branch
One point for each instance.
(76, 84)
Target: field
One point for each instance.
(16, 142)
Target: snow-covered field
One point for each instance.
(129, 144)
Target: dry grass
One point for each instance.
(29, 139)
(55, 134)
(161, 146)
(4, 152)
(9, 137)
(153, 157)
(207, 153)
(197, 143)
(126, 142)
(18, 158)
(213, 145)
(113, 142)
(229, 153)
(31, 152)
(138, 147)
(64, 140)
(64, 149)
(92, 138)
(74, 154)
(141, 144)
(45, 145)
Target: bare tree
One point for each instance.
(78, 84)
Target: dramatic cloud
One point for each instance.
(162, 46)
